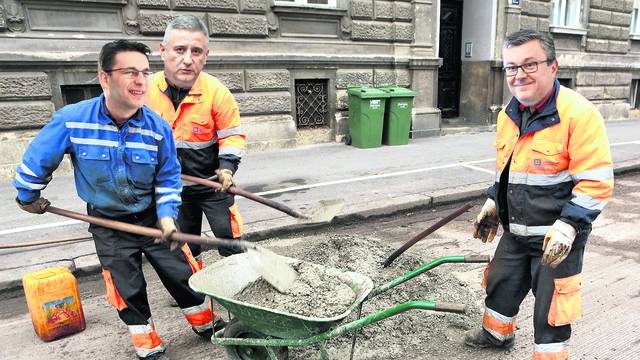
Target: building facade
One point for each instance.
(289, 62)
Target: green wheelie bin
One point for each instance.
(397, 115)
(366, 116)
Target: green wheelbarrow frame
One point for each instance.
(224, 279)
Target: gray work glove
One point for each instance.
(168, 227)
(557, 243)
(37, 207)
(485, 226)
(225, 177)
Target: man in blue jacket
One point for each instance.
(126, 169)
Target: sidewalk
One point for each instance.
(372, 182)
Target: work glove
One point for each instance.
(225, 177)
(168, 227)
(557, 243)
(36, 207)
(485, 226)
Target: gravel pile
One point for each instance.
(317, 292)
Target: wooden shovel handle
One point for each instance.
(249, 195)
(150, 232)
(425, 233)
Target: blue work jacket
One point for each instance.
(118, 170)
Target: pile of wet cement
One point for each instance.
(413, 333)
(317, 292)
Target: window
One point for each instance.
(567, 13)
(635, 17)
(72, 94)
(311, 103)
(634, 101)
(566, 82)
(308, 3)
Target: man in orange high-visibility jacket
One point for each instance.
(205, 120)
(553, 177)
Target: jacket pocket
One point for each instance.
(143, 166)
(201, 127)
(94, 162)
(566, 304)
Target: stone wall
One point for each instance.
(535, 15)
(609, 22)
(257, 47)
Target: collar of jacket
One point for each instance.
(194, 92)
(548, 116)
(105, 117)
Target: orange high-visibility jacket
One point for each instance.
(206, 124)
(559, 168)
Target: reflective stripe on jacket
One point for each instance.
(559, 168)
(118, 171)
(206, 124)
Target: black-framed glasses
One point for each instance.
(528, 68)
(131, 73)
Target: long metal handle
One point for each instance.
(249, 195)
(45, 242)
(150, 232)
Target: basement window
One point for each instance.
(311, 103)
(72, 94)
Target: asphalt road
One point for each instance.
(610, 328)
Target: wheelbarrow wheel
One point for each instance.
(235, 329)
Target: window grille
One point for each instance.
(311, 103)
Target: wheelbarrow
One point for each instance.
(259, 333)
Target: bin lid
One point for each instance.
(367, 93)
(397, 91)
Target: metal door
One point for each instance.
(449, 72)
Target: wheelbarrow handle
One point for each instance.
(451, 307)
(249, 195)
(477, 258)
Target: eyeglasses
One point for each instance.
(528, 68)
(131, 73)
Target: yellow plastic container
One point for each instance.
(54, 303)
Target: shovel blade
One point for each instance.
(273, 268)
(323, 211)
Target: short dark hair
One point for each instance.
(111, 49)
(522, 36)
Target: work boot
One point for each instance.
(207, 334)
(156, 356)
(481, 338)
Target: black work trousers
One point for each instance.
(516, 269)
(221, 213)
(120, 253)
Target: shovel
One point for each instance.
(321, 212)
(273, 268)
(447, 219)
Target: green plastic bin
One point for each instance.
(366, 116)
(397, 115)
